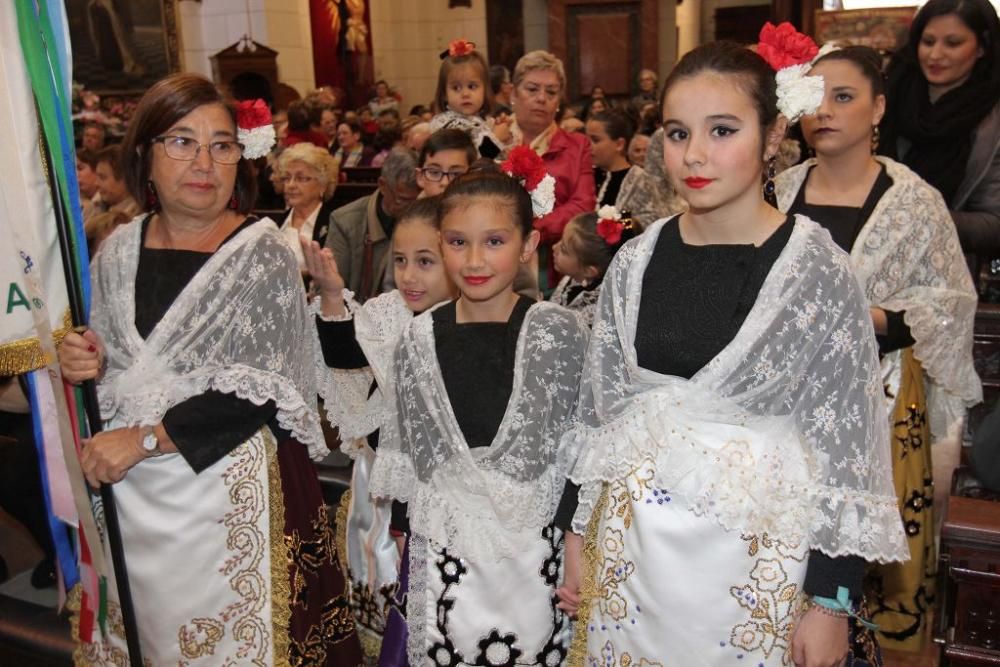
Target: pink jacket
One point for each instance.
(568, 161)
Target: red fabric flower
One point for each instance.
(460, 47)
(610, 230)
(252, 113)
(782, 46)
(523, 162)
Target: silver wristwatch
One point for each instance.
(150, 444)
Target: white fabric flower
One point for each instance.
(543, 197)
(608, 212)
(798, 93)
(257, 142)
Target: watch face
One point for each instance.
(149, 442)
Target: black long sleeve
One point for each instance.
(897, 333)
(208, 426)
(824, 575)
(340, 345)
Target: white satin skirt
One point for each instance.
(663, 586)
(199, 553)
(497, 613)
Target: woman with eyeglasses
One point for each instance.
(309, 177)
(206, 364)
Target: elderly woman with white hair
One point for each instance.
(309, 175)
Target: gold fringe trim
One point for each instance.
(589, 589)
(22, 356)
(281, 587)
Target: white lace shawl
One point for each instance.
(486, 503)
(783, 432)
(908, 258)
(378, 324)
(644, 198)
(584, 304)
(239, 327)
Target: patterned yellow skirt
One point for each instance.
(901, 595)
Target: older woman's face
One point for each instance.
(199, 187)
(303, 185)
(536, 99)
(948, 50)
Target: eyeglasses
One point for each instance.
(187, 149)
(297, 178)
(435, 174)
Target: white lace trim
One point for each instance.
(908, 258)
(753, 487)
(459, 508)
(416, 602)
(784, 431)
(240, 326)
(480, 502)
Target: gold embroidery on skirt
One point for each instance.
(247, 544)
(588, 583)
(610, 659)
(773, 603)
(281, 590)
(99, 653)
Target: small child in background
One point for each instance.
(464, 99)
(447, 155)
(588, 245)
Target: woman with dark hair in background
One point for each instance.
(922, 304)
(943, 114)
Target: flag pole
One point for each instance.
(93, 411)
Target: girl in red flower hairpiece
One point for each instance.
(464, 99)
(588, 245)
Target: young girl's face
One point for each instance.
(417, 266)
(483, 248)
(566, 261)
(712, 145)
(466, 90)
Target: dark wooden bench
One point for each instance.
(360, 174)
(33, 635)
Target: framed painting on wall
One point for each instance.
(884, 29)
(122, 47)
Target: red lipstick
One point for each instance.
(476, 280)
(697, 183)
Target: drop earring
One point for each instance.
(769, 182)
(152, 201)
(876, 136)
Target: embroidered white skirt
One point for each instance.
(372, 555)
(664, 586)
(494, 614)
(199, 554)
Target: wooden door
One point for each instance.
(603, 43)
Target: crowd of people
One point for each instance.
(638, 381)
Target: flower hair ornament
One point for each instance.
(255, 129)
(525, 165)
(792, 54)
(458, 47)
(612, 224)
